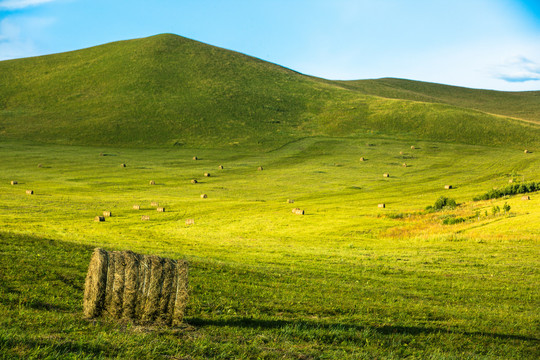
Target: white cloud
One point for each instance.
(20, 36)
(520, 69)
(21, 4)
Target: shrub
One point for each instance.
(509, 190)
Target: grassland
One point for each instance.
(346, 280)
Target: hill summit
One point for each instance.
(168, 90)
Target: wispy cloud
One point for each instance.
(20, 36)
(21, 4)
(519, 69)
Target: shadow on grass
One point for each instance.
(309, 325)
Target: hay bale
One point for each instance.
(190, 221)
(40, 165)
(220, 167)
(412, 147)
(95, 284)
(13, 182)
(204, 196)
(526, 197)
(139, 288)
(154, 203)
(260, 168)
(290, 201)
(29, 192)
(298, 211)
(107, 214)
(382, 206)
(152, 182)
(526, 151)
(386, 175)
(207, 174)
(362, 159)
(161, 209)
(448, 187)
(194, 181)
(136, 207)
(404, 165)
(511, 181)
(401, 153)
(101, 154)
(99, 218)
(195, 158)
(123, 165)
(145, 217)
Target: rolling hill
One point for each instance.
(168, 90)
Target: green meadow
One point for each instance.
(345, 280)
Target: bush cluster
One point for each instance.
(442, 203)
(509, 190)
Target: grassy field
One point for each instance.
(346, 280)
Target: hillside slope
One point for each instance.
(168, 90)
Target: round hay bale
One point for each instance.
(362, 159)
(152, 182)
(195, 158)
(194, 181)
(99, 218)
(526, 151)
(401, 153)
(13, 182)
(161, 209)
(204, 196)
(95, 284)
(526, 197)
(412, 147)
(404, 165)
(511, 181)
(145, 217)
(40, 165)
(260, 168)
(154, 203)
(101, 154)
(207, 174)
(448, 187)
(123, 165)
(382, 205)
(290, 201)
(29, 192)
(386, 175)
(220, 167)
(107, 214)
(136, 207)
(190, 221)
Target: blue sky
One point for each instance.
(491, 44)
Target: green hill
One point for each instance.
(168, 90)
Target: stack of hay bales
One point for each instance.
(129, 286)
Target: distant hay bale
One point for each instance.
(386, 175)
(40, 165)
(290, 201)
(220, 167)
(526, 151)
(401, 153)
(404, 165)
(362, 159)
(145, 217)
(13, 182)
(204, 196)
(123, 165)
(154, 203)
(29, 192)
(511, 180)
(99, 218)
(526, 197)
(101, 154)
(194, 181)
(190, 221)
(136, 207)
(448, 187)
(382, 206)
(412, 147)
(260, 168)
(195, 158)
(161, 209)
(298, 211)
(152, 182)
(107, 214)
(207, 174)
(138, 288)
